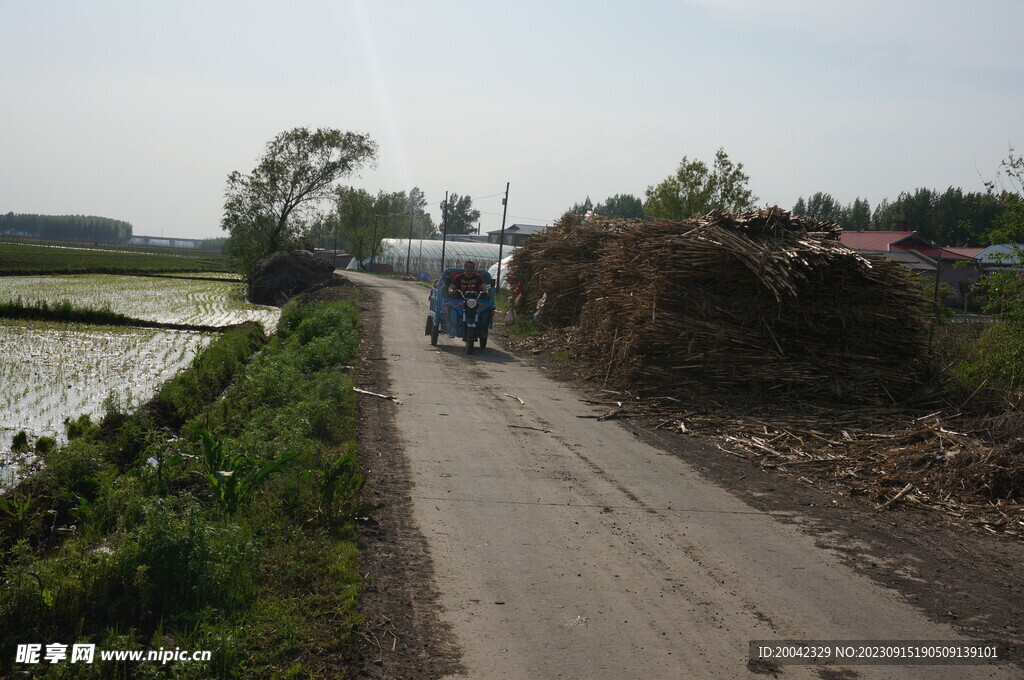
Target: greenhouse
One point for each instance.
(424, 257)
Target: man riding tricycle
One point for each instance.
(461, 306)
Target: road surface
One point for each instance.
(564, 547)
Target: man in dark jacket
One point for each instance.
(468, 280)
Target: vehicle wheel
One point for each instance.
(430, 325)
(470, 340)
(433, 334)
(483, 342)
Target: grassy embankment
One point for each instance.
(235, 536)
(22, 260)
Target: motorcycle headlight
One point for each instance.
(471, 303)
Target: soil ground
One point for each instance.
(405, 636)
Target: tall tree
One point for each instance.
(800, 207)
(695, 189)
(352, 218)
(460, 214)
(423, 225)
(857, 215)
(621, 205)
(824, 207)
(582, 208)
(264, 211)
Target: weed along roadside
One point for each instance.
(220, 516)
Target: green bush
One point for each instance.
(990, 369)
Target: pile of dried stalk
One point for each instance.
(758, 300)
(969, 470)
(763, 333)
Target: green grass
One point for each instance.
(62, 310)
(524, 327)
(168, 551)
(21, 259)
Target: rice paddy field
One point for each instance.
(179, 299)
(50, 371)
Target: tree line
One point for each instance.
(695, 188)
(949, 218)
(81, 228)
(280, 203)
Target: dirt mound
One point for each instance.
(762, 300)
(284, 274)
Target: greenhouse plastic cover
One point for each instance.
(425, 255)
(493, 271)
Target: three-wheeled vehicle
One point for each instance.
(467, 316)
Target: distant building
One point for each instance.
(1001, 256)
(516, 234)
(905, 246)
(161, 242)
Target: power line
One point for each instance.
(500, 193)
(520, 217)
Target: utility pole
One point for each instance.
(334, 259)
(373, 243)
(501, 238)
(444, 229)
(408, 252)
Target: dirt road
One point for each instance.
(564, 547)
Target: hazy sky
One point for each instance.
(139, 110)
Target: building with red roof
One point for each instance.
(898, 245)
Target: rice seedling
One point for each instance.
(163, 299)
(55, 371)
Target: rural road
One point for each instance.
(564, 547)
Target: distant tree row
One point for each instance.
(66, 228)
(946, 218)
(695, 188)
(619, 205)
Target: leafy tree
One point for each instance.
(696, 189)
(582, 208)
(621, 205)
(800, 207)
(824, 207)
(857, 215)
(461, 216)
(423, 225)
(352, 218)
(264, 211)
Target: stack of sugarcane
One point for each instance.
(759, 299)
(560, 262)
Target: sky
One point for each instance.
(140, 110)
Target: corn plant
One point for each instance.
(19, 513)
(340, 484)
(234, 478)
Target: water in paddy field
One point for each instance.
(52, 371)
(168, 300)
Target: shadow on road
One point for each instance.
(491, 355)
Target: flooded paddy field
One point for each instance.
(172, 300)
(50, 371)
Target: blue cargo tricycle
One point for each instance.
(468, 316)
